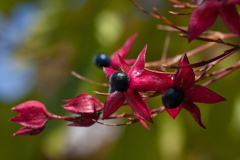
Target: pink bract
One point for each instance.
(122, 51)
(83, 103)
(29, 131)
(84, 120)
(33, 114)
(206, 14)
(139, 81)
(183, 80)
(87, 106)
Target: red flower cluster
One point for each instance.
(139, 80)
(185, 93)
(33, 116)
(179, 90)
(128, 85)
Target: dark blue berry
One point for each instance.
(119, 81)
(172, 98)
(101, 60)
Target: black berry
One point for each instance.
(101, 60)
(172, 98)
(119, 81)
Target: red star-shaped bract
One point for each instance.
(29, 131)
(139, 80)
(122, 51)
(33, 116)
(206, 14)
(87, 106)
(183, 81)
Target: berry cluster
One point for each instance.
(133, 81)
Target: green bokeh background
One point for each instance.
(67, 36)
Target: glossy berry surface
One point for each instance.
(172, 98)
(101, 60)
(119, 81)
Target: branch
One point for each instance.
(88, 80)
(202, 63)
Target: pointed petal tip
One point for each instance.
(143, 50)
(150, 120)
(147, 128)
(201, 125)
(194, 111)
(137, 104)
(145, 47)
(221, 99)
(104, 116)
(134, 36)
(173, 117)
(190, 38)
(174, 112)
(15, 119)
(138, 67)
(11, 119)
(123, 51)
(184, 58)
(201, 94)
(143, 123)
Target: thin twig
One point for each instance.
(185, 5)
(158, 16)
(202, 63)
(205, 69)
(178, 13)
(100, 93)
(125, 115)
(160, 72)
(109, 124)
(175, 59)
(168, 28)
(165, 48)
(219, 40)
(228, 71)
(154, 113)
(88, 80)
(221, 73)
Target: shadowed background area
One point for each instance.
(42, 41)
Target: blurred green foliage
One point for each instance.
(66, 37)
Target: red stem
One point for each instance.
(202, 63)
